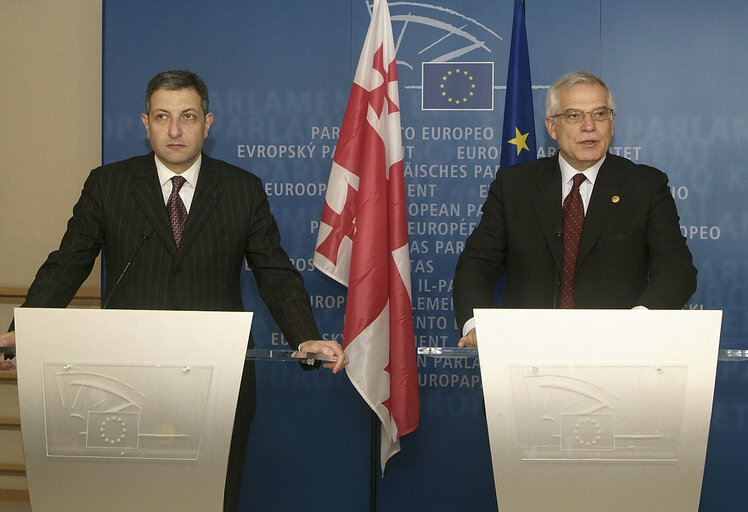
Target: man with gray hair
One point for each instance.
(581, 229)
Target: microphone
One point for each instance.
(143, 238)
(558, 235)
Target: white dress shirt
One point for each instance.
(187, 192)
(567, 180)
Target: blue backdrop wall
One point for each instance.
(279, 73)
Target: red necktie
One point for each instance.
(573, 221)
(177, 210)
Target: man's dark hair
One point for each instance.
(175, 81)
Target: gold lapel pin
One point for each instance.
(615, 199)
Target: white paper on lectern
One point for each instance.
(128, 410)
(592, 410)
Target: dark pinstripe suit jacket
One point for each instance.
(631, 252)
(122, 209)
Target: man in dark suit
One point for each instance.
(153, 263)
(631, 252)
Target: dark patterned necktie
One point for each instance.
(573, 211)
(177, 210)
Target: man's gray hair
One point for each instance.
(553, 103)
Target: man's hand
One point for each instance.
(7, 340)
(330, 348)
(469, 340)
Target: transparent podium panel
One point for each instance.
(592, 410)
(126, 410)
(287, 356)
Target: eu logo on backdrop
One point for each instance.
(457, 85)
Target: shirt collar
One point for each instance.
(568, 172)
(190, 175)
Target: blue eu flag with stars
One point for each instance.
(457, 86)
(518, 140)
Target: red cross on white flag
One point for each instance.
(363, 240)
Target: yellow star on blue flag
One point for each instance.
(520, 140)
(518, 109)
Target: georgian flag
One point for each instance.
(363, 240)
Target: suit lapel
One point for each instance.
(204, 202)
(602, 206)
(151, 200)
(547, 204)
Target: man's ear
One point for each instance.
(208, 123)
(144, 119)
(550, 126)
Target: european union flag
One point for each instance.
(518, 140)
(457, 86)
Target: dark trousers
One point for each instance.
(245, 412)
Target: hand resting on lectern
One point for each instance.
(469, 340)
(7, 340)
(330, 348)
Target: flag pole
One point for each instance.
(373, 463)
